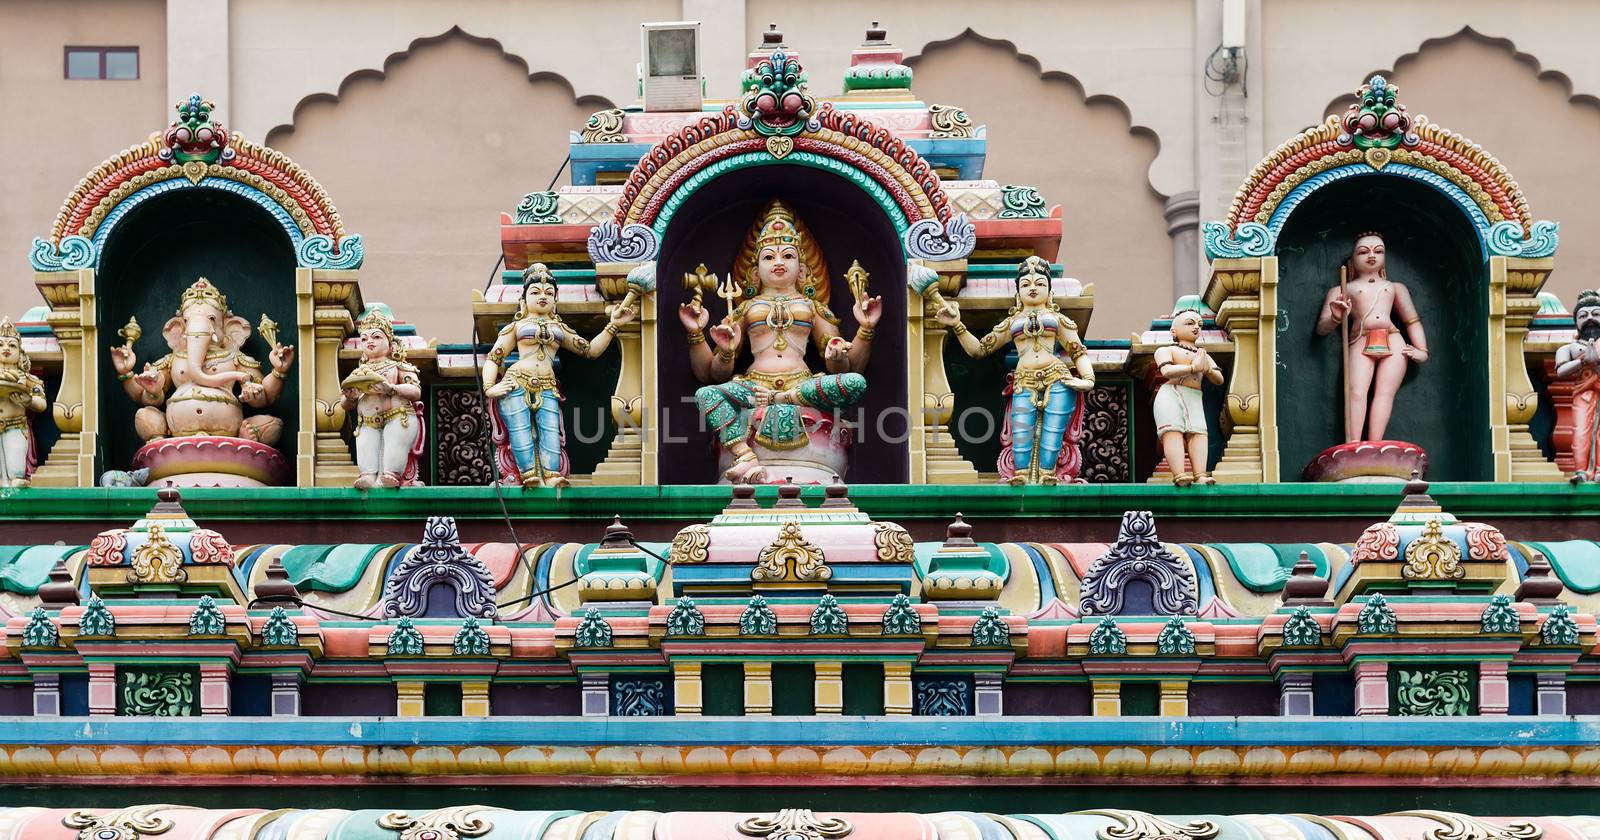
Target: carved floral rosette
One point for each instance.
(1486, 543)
(1380, 543)
(107, 548)
(207, 547)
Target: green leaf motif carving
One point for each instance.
(1175, 639)
(828, 619)
(1500, 616)
(758, 619)
(279, 631)
(1377, 616)
(157, 693)
(96, 619)
(471, 639)
(1559, 629)
(207, 618)
(901, 619)
(1302, 629)
(1433, 692)
(593, 631)
(41, 631)
(686, 619)
(1020, 202)
(538, 208)
(405, 640)
(1108, 639)
(989, 630)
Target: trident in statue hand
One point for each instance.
(728, 290)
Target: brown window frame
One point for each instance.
(66, 62)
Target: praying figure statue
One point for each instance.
(1367, 308)
(529, 439)
(1045, 388)
(385, 394)
(1580, 361)
(1180, 413)
(778, 300)
(23, 396)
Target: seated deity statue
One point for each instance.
(1370, 305)
(385, 394)
(528, 433)
(23, 396)
(1045, 388)
(778, 302)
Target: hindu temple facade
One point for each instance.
(785, 490)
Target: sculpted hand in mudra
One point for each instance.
(693, 317)
(868, 311)
(122, 359)
(836, 350)
(949, 314)
(726, 335)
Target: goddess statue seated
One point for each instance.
(529, 439)
(1046, 412)
(778, 298)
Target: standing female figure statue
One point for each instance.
(1044, 389)
(528, 398)
(782, 305)
(384, 392)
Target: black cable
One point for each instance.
(301, 602)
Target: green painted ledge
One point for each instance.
(903, 502)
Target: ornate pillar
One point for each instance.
(475, 698)
(828, 695)
(1244, 293)
(934, 456)
(286, 694)
(1372, 689)
(70, 461)
(216, 697)
(1174, 698)
(330, 302)
(1182, 213)
(1107, 698)
(409, 699)
(1295, 695)
(1514, 285)
(897, 688)
(632, 457)
(46, 695)
(1551, 694)
(757, 689)
(988, 699)
(687, 694)
(102, 688)
(1494, 689)
(596, 694)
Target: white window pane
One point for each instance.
(672, 52)
(83, 64)
(122, 64)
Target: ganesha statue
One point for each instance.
(777, 420)
(192, 399)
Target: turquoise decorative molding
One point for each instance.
(471, 639)
(41, 631)
(157, 692)
(900, 618)
(1376, 616)
(1175, 639)
(317, 252)
(96, 619)
(989, 630)
(1500, 617)
(1252, 239)
(279, 631)
(1505, 239)
(758, 619)
(1433, 692)
(1302, 629)
(593, 631)
(207, 618)
(1107, 638)
(828, 619)
(538, 208)
(405, 640)
(1559, 629)
(74, 253)
(1021, 202)
(686, 619)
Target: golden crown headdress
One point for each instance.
(377, 319)
(778, 227)
(9, 330)
(204, 292)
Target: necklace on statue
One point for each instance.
(780, 320)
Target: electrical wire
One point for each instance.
(1224, 66)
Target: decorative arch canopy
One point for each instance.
(196, 152)
(778, 122)
(1376, 137)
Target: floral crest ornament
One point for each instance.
(1463, 827)
(1107, 638)
(96, 619)
(440, 559)
(1139, 555)
(471, 639)
(593, 631)
(990, 630)
(443, 824)
(758, 619)
(1559, 629)
(127, 824)
(686, 619)
(1433, 692)
(280, 630)
(795, 824)
(1432, 556)
(158, 560)
(1500, 616)
(900, 618)
(41, 631)
(791, 557)
(1302, 629)
(405, 640)
(1138, 825)
(1175, 639)
(1377, 616)
(207, 618)
(829, 619)
(1379, 543)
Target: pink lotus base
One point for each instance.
(1367, 461)
(211, 461)
(825, 455)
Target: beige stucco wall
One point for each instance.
(53, 130)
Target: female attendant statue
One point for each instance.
(1045, 405)
(385, 394)
(528, 398)
(778, 297)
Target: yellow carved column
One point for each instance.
(687, 699)
(475, 698)
(1520, 284)
(757, 689)
(897, 688)
(1107, 700)
(409, 698)
(1243, 292)
(330, 302)
(828, 694)
(1174, 698)
(631, 459)
(934, 456)
(70, 462)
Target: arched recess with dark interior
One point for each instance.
(159, 250)
(1434, 250)
(709, 228)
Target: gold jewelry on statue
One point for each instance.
(202, 290)
(697, 337)
(726, 355)
(124, 377)
(611, 328)
(864, 333)
(959, 329)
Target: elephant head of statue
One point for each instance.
(205, 330)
